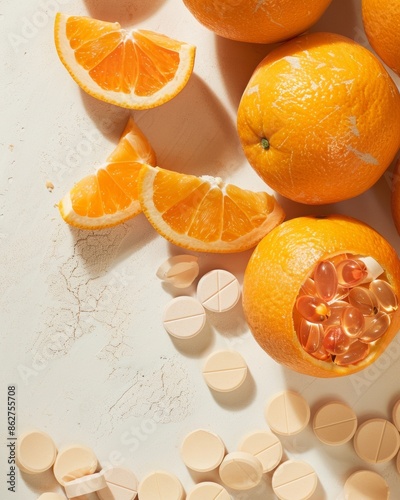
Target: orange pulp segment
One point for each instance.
(136, 69)
(203, 213)
(110, 196)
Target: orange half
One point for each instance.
(136, 69)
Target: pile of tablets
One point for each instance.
(217, 291)
(287, 413)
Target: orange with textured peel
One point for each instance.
(396, 196)
(136, 69)
(320, 119)
(279, 266)
(381, 20)
(203, 213)
(258, 22)
(110, 195)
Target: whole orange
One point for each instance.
(279, 266)
(395, 205)
(258, 22)
(381, 20)
(320, 119)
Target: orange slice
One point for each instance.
(136, 69)
(110, 196)
(203, 213)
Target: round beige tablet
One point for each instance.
(121, 484)
(85, 485)
(36, 452)
(366, 485)
(294, 480)
(160, 485)
(287, 413)
(265, 446)
(335, 423)
(240, 470)
(218, 290)
(396, 415)
(225, 371)
(376, 441)
(208, 491)
(184, 317)
(202, 450)
(73, 462)
(51, 496)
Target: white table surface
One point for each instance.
(81, 333)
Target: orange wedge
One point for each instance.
(110, 196)
(136, 69)
(204, 214)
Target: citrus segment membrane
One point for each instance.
(136, 69)
(343, 308)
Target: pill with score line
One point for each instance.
(225, 371)
(121, 484)
(294, 480)
(218, 290)
(208, 491)
(184, 317)
(265, 446)
(334, 423)
(287, 413)
(160, 485)
(85, 485)
(376, 441)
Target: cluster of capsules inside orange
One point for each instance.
(344, 307)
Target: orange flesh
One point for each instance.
(121, 61)
(202, 211)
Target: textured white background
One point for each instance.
(81, 334)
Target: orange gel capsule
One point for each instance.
(326, 281)
(312, 309)
(385, 294)
(322, 354)
(335, 340)
(341, 292)
(364, 300)
(308, 287)
(375, 327)
(336, 308)
(351, 272)
(310, 335)
(355, 353)
(352, 321)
